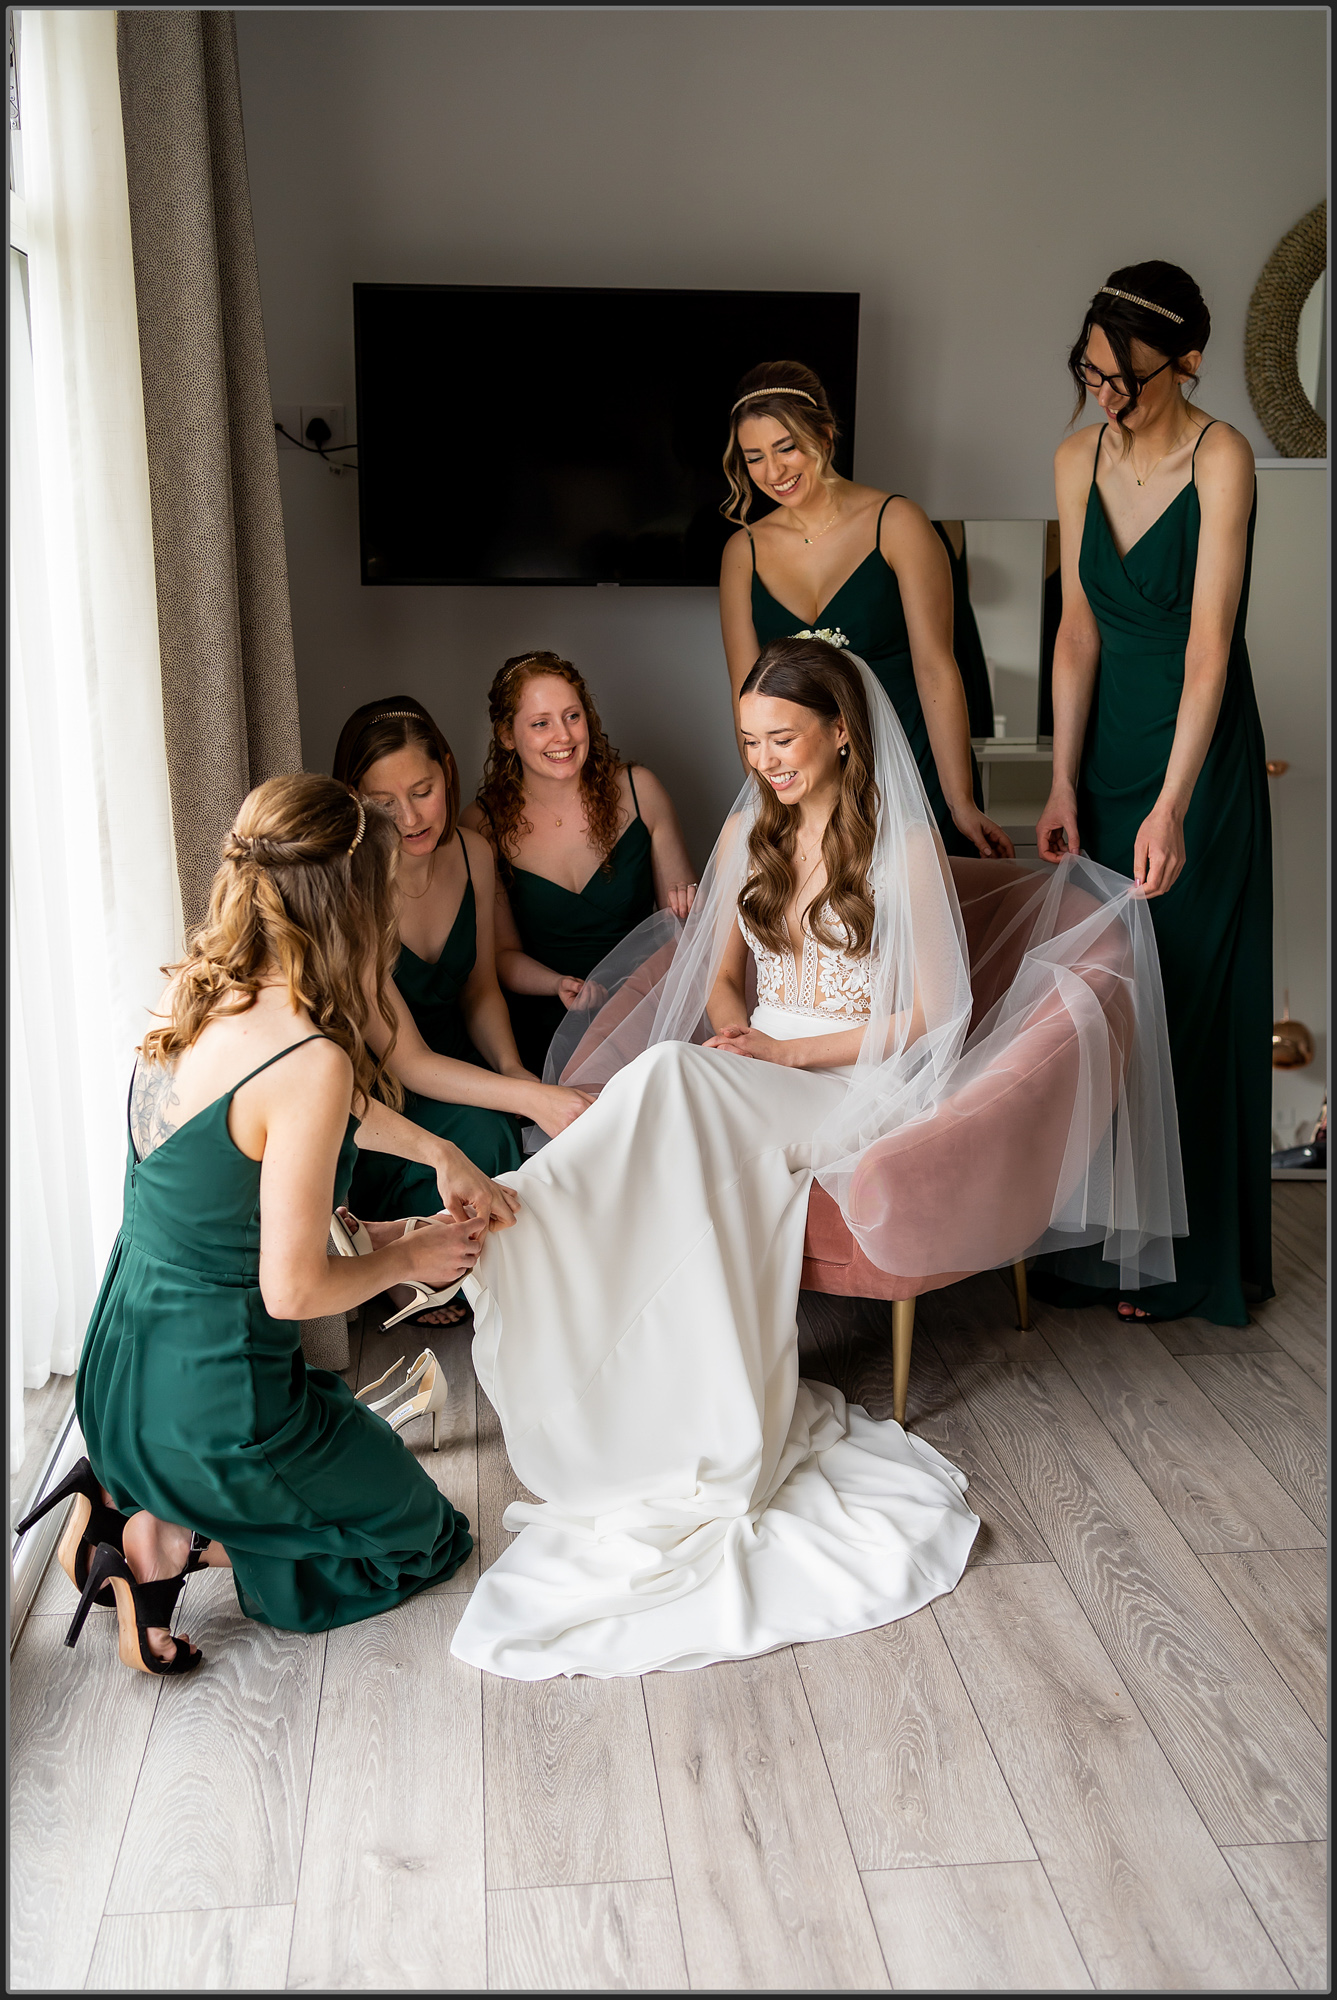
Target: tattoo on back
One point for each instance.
(152, 1100)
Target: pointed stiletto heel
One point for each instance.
(430, 1400)
(90, 1522)
(138, 1606)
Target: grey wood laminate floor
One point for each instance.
(1098, 1763)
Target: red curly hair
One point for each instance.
(501, 795)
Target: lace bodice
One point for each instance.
(827, 985)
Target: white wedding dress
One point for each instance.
(636, 1334)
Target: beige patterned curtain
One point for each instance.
(225, 629)
(229, 682)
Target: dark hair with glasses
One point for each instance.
(1155, 303)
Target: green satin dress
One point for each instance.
(867, 615)
(384, 1187)
(572, 930)
(194, 1403)
(1213, 928)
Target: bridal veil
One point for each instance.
(1076, 940)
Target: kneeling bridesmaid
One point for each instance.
(210, 1442)
(586, 846)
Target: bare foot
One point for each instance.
(156, 1549)
(1128, 1311)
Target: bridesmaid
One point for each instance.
(864, 568)
(454, 1047)
(210, 1442)
(1158, 760)
(587, 846)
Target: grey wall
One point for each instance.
(974, 174)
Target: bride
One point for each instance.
(636, 1330)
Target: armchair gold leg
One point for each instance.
(1023, 1297)
(902, 1336)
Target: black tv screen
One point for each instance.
(526, 434)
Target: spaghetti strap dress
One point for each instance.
(196, 1404)
(867, 615)
(967, 646)
(384, 1187)
(1213, 928)
(571, 930)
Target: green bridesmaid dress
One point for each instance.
(194, 1403)
(572, 930)
(867, 615)
(1213, 928)
(384, 1187)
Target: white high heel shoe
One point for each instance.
(415, 1374)
(424, 1298)
(430, 1400)
(357, 1243)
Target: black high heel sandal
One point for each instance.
(139, 1605)
(91, 1521)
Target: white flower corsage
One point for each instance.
(832, 635)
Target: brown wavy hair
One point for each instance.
(300, 893)
(815, 676)
(502, 792)
(378, 729)
(811, 425)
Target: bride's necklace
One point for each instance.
(431, 871)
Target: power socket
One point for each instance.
(329, 414)
(294, 417)
(289, 415)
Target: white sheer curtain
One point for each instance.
(94, 907)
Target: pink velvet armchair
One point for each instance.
(977, 1176)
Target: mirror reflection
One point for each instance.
(1311, 346)
(998, 578)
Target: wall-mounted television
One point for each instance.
(560, 435)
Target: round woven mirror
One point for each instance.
(1284, 410)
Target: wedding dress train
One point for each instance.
(636, 1334)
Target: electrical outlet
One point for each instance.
(329, 414)
(290, 416)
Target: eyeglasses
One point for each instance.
(1119, 383)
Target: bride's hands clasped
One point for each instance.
(751, 1042)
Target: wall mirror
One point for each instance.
(1285, 340)
(999, 571)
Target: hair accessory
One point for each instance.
(361, 821)
(779, 390)
(388, 715)
(1149, 304)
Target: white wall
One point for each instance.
(1288, 649)
(973, 174)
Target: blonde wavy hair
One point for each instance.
(807, 416)
(303, 895)
(818, 677)
(501, 795)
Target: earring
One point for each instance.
(844, 752)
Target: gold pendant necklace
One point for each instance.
(1160, 461)
(819, 532)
